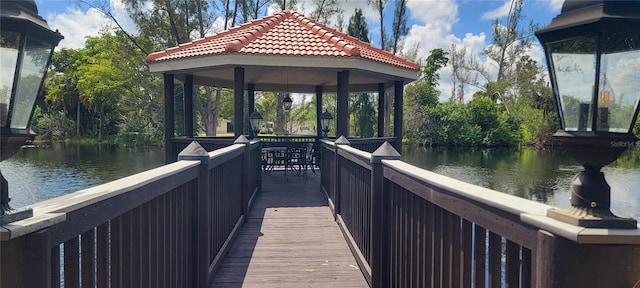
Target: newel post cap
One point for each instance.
(342, 141)
(385, 152)
(194, 152)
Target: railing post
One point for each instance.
(26, 261)
(565, 263)
(379, 216)
(201, 214)
(246, 164)
(336, 185)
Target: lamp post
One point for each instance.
(255, 119)
(325, 121)
(26, 46)
(593, 56)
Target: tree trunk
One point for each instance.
(78, 119)
(216, 111)
(209, 119)
(280, 121)
(100, 123)
(388, 98)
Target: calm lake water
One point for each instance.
(36, 174)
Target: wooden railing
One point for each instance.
(371, 144)
(166, 227)
(208, 143)
(408, 227)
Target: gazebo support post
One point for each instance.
(188, 106)
(318, 110)
(251, 105)
(342, 119)
(398, 89)
(238, 93)
(380, 109)
(169, 123)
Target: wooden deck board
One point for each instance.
(290, 240)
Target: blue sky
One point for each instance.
(434, 23)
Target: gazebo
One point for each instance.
(284, 52)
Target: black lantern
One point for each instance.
(26, 46)
(325, 121)
(255, 119)
(286, 103)
(593, 56)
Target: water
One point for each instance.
(40, 173)
(36, 174)
(543, 176)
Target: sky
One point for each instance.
(433, 23)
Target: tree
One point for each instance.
(400, 28)
(364, 115)
(324, 10)
(437, 59)
(462, 75)
(358, 26)
(169, 22)
(362, 108)
(510, 43)
(61, 83)
(103, 78)
(422, 96)
(378, 6)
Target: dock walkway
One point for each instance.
(290, 239)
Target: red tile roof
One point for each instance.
(284, 33)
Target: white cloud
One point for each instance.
(556, 5)
(499, 12)
(76, 25)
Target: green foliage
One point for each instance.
(450, 124)
(104, 88)
(358, 26)
(52, 125)
(437, 59)
(484, 113)
(364, 115)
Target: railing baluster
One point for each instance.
(162, 242)
(116, 244)
(416, 239)
(71, 263)
(427, 244)
(467, 253)
(525, 280)
(513, 264)
(144, 245)
(495, 260)
(134, 246)
(480, 254)
(102, 255)
(437, 247)
(88, 258)
(456, 252)
(447, 248)
(127, 252)
(55, 266)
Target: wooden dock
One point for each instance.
(290, 239)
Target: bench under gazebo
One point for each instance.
(284, 52)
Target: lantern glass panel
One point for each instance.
(573, 63)
(9, 43)
(619, 83)
(34, 63)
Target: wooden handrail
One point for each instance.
(411, 227)
(136, 231)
